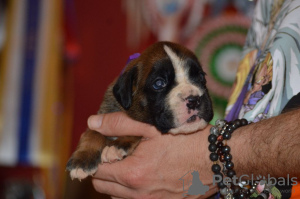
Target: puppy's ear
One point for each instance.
(123, 88)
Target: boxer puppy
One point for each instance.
(165, 87)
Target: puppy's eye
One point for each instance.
(159, 84)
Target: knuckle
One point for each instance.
(135, 178)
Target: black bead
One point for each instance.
(231, 173)
(241, 196)
(237, 122)
(216, 168)
(236, 190)
(212, 138)
(243, 191)
(266, 192)
(234, 126)
(230, 129)
(225, 149)
(227, 157)
(212, 147)
(221, 185)
(244, 122)
(248, 192)
(229, 165)
(226, 135)
(213, 157)
(220, 145)
(235, 196)
(218, 177)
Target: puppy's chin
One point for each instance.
(190, 127)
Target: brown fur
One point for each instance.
(88, 153)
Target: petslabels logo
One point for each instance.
(269, 180)
(192, 185)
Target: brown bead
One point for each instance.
(220, 138)
(219, 152)
(222, 158)
(220, 145)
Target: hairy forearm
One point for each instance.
(270, 147)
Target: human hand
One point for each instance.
(157, 164)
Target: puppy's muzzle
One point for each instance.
(193, 102)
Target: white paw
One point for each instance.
(112, 154)
(80, 174)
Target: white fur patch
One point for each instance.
(189, 127)
(176, 99)
(112, 154)
(178, 65)
(80, 174)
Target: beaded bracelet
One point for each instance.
(220, 151)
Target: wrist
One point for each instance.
(239, 142)
(201, 155)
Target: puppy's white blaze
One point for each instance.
(176, 99)
(181, 72)
(178, 64)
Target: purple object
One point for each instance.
(131, 57)
(235, 111)
(255, 97)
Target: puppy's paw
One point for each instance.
(112, 154)
(83, 164)
(81, 174)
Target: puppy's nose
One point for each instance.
(193, 101)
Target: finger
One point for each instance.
(116, 172)
(112, 197)
(112, 189)
(119, 124)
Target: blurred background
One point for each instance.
(57, 57)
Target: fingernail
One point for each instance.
(95, 121)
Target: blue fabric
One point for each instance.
(29, 61)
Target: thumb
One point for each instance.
(119, 124)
